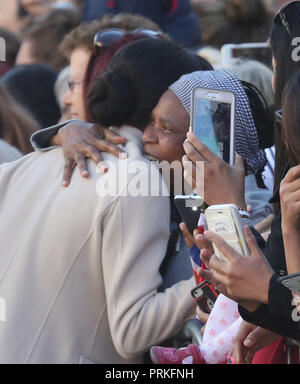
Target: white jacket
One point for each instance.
(79, 273)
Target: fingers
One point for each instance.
(113, 149)
(251, 242)
(203, 242)
(217, 272)
(205, 256)
(212, 275)
(82, 140)
(194, 174)
(202, 316)
(222, 246)
(205, 274)
(259, 338)
(189, 166)
(81, 162)
(204, 152)
(293, 174)
(82, 166)
(189, 171)
(249, 357)
(192, 153)
(239, 351)
(289, 188)
(189, 179)
(92, 153)
(114, 137)
(216, 279)
(189, 239)
(68, 170)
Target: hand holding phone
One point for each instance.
(226, 222)
(213, 121)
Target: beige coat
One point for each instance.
(79, 273)
(8, 152)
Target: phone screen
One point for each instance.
(212, 126)
(189, 209)
(263, 55)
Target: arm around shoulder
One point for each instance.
(41, 140)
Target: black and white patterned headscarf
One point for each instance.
(246, 138)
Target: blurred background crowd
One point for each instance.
(34, 30)
(35, 58)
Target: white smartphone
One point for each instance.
(292, 282)
(253, 51)
(226, 222)
(213, 121)
(189, 208)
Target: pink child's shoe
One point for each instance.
(188, 355)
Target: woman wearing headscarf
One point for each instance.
(61, 251)
(270, 304)
(163, 139)
(248, 144)
(224, 322)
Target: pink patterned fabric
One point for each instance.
(219, 335)
(189, 355)
(220, 331)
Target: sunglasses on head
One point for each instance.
(282, 17)
(106, 37)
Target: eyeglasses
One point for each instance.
(284, 14)
(106, 37)
(72, 84)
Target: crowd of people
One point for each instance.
(95, 98)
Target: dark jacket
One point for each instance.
(277, 314)
(175, 17)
